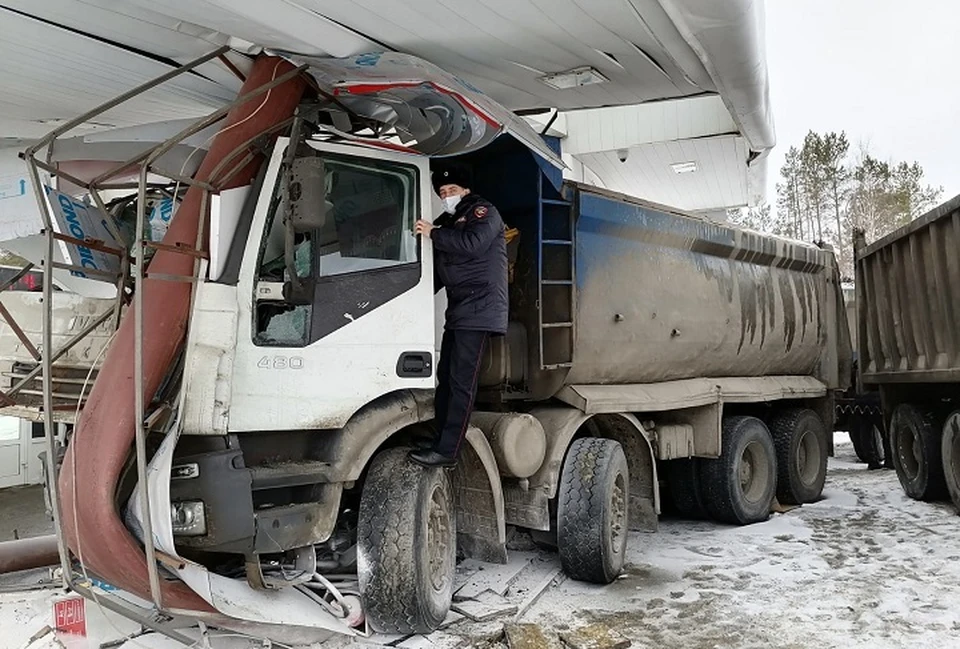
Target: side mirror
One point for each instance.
(306, 203)
(305, 206)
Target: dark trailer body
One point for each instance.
(908, 296)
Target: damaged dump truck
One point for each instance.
(241, 457)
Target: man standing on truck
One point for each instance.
(470, 261)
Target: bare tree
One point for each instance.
(814, 179)
(832, 159)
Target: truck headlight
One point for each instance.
(188, 518)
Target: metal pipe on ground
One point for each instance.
(25, 554)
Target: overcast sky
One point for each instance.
(885, 71)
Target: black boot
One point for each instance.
(432, 459)
(423, 443)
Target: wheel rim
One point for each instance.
(808, 457)
(754, 472)
(908, 450)
(438, 533)
(878, 444)
(618, 514)
(952, 467)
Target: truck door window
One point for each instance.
(371, 206)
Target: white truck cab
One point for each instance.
(325, 318)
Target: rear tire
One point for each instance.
(801, 442)
(738, 487)
(917, 454)
(855, 430)
(870, 442)
(407, 545)
(950, 449)
(683, 485)
(592, 510)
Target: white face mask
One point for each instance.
(450, 203)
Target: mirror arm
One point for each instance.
(289, 249)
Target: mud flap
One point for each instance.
(481, 528)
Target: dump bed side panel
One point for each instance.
(664, 296)
(908, 292)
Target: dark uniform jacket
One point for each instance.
(470, 257)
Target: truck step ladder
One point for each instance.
(556, 280)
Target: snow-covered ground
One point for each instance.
(864, 567)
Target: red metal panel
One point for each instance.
(105, 432)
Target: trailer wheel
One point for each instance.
(801, 442)
(869, 441)
(950, 449)
(407, 549)
(592, 510)
(683, 485)
(738, 487)
(855, 430)
(917, 454)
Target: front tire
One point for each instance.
(917, 454)
(801, 442)
(407, 547)
(738, 487)
(592, 510)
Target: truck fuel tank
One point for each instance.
(518, 441)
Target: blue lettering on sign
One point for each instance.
(166, 210)
(76, 231)
(369, 59)
(7, 191)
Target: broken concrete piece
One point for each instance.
(495, 578)
(487, 606)
(452, 618)
(595, 636)
(530, 595)
(530, 636)
(477, 634)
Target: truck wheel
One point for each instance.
(738, 486)
(407, 550)
(855, 430)
(870, 443)
(683, 485)
(950, 448)
(917, 455)
(592, 512)
(801, 443)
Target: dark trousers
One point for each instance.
(461, 353)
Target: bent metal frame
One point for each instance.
(131, 275)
